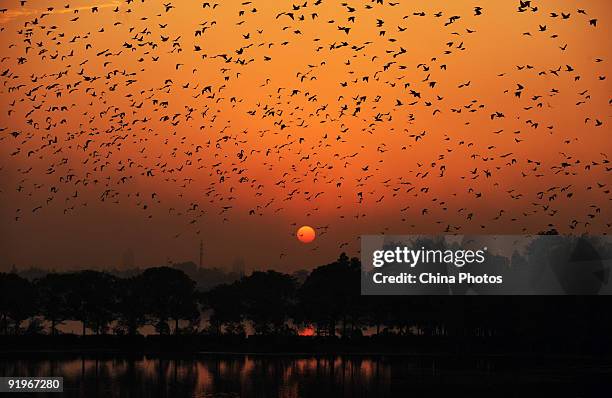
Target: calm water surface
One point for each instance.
(283, 376)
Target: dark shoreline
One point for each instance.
(429, 346)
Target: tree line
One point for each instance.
(327, 303)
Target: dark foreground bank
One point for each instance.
(383, 344)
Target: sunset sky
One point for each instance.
(150, 127)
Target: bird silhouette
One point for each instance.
(356, 113)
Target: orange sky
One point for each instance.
(264, 123)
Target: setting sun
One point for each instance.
(306, 234)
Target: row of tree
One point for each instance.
(327, 303)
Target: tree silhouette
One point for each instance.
(329, 299)
(54, 291)
(267, 299)
(330, 294)
(226, 305)
(131, 307)
(17, 301)
(92, 299)
(170, 294)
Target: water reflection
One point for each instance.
(216, 375)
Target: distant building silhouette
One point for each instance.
(238, 267)
(128, 259)
(188, 267)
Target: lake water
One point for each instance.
(293, 376)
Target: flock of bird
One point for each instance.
(317, 111)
